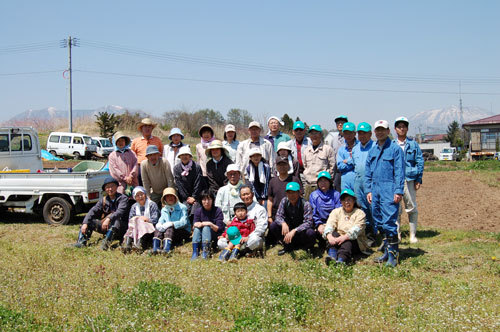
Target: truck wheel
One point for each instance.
(57, 211)
(76, 155)
(52, 152)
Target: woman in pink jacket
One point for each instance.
(123, 164)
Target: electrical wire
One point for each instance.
(32, 72)
(31, 47)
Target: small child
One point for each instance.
(236, 234)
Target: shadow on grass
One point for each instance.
(427, 233)
(405, 253)
(10, 217)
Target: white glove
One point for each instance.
(168, 224)
(161, 227)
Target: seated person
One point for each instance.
(109, 216)
(323, 200)
(232, 240)
(259, 174)
(208, 224)
(293, 225)
(345, 230)
(173, 227)
(143, 217)
(258, 214)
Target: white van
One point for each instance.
(104, 146)
(70, 144)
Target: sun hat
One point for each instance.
(168, 191)
(185, 149)
(341, 117)
(174, 131)
(145, 122)
(324, 174)
(121, 134)
(138, 189)
(275, 118)
(381, 123)
(152, 149)
(254, 151)
(299, 125)
(316, 128)
(364, 126)
(108, 180)
(283, 146)
(232, 168)
(349, 126)
(254, 124)
(234, 235)
(230, 127)
(401, 119)
(347, 192)
(206, 126)
(292, 186)
(216, 144)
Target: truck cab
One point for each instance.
(19, 149)
(448, 154)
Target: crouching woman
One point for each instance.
(143, 217)
(345, 230)
(173, 227)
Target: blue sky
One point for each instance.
(436, 43)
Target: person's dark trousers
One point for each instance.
(302, 240)
(95, 225)
(336, 178)
(321, 241)
(178, 236)
(347, 249)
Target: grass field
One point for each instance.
(448, 281)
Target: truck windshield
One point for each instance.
(447, 151)
(87, 139)
(106, 143)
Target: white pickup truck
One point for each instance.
(55, 194)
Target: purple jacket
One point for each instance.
(214, 215)
(322, 204)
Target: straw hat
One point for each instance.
(146, 122)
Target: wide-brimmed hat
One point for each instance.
(152, 149)
(254, 151)
(216, 144)
(206, 126)
(146, 122)
(121, 134)
(185, 149)
(230, 127)
(109, 179)
(232, 168)
(284, 146)
(175, 131)
(168, 191)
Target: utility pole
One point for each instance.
(460, 96)
(69, 43)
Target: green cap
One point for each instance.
(341, 117)
(349, 126)
(299, 125)
(324, 174)
(234, 235)
(347, 192)
(292, 186)
(315, 127)
(364, 126)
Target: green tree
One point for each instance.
(106, 123)
(288, 123)
(454, 135)
(239, 118)
(211, 117)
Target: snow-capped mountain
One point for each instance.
(436, 121)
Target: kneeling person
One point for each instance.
(108, 216)
(294, 223)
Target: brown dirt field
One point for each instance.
(457, 200)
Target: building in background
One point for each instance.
(484, 137)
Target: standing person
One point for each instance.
(274, 135)
(255, 141)
(188, 179)
(173, 227)
(317, 157)
(359, 155)
(142, 220)
(414, 170)
(323, 201)
(218, 160)
(384, 184)
(171, 150)
(109, 217)
(285, 151)
(293, 225)
(336, 140)
(123, 163)
(206, 133)
(230, 141)
(140, 144)
(156, 174)
(344, 230)
(229, 194)
(208, 224)
(345, 163)
(299, 144)
(258, 174)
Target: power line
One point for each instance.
(32, 72)
(31, 47)
(281, 85)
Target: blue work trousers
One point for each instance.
(384, 210)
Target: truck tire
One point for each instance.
(76, 155)
(52, 152)
(57, 211)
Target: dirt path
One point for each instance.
(458, 200)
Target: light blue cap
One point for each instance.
(347, 192)
(234, 235)
(324, 174)
(292, 186)
(315, 127)
(299, 125)
(349, 126)
(364, 126)
(341, 117)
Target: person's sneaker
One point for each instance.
(105, 244)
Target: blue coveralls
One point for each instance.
(414, 161)
(346, 169)
(359, 155)
(385, 177)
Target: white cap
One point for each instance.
(283, 146)
(381, 123)
(254, 151)
(254, 124)
(401, 119)
(185, 149)
(275, 118)
(232, 168)
(229, 127)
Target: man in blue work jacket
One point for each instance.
(359, 155)
(345, 163)
(414, 170)
(384, 184)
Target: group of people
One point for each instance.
(337, 192)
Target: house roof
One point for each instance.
(495, 119)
